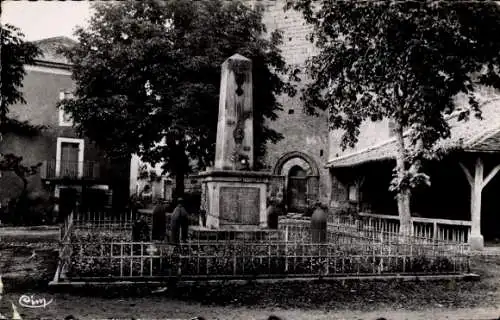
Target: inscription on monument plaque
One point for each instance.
(239, 205)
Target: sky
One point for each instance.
(45, 19)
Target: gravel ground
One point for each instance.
(340, 300)
(156, 308)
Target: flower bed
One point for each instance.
(117, 259)
(99, 236)
(109, 253)
(244, 259)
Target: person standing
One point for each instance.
(146, 196)
(159, 229)
(180, 222)
(140, 229)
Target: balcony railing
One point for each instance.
(454, 231)
(57, 169)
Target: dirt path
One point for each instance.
(158, 308)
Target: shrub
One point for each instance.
(34, 208)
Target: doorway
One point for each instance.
(69, 159)
(67, 201)
(297, 189)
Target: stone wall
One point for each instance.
(302, 133)
(296, 48)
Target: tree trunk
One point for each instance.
(179, 184)
(25, 185)
(120, 181)
(404, 212)
(404, 194)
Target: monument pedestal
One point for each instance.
(235, 199)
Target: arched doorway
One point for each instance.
(297, 189)
(296, 177)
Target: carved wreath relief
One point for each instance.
(241, 116)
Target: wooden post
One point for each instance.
(435, 231)
(358, 182)
(477, 183)
(476, 193)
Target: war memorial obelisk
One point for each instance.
(233, 195)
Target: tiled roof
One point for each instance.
(472, 135)
(50, 46)
(489, 143)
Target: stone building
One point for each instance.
(71, 166)
(461, 200)
(299, 159)
(459, 205)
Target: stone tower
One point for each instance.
(298, 158)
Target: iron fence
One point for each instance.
(235, 259)
(104, 219)
(97, 247)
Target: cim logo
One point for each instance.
(33, 302)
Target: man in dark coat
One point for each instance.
(180, 222)
(159, 221)
(140, 229)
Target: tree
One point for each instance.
(15, 53)
(13, 163)
(148, 77)
(402, 60)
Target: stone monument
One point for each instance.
(233, 195)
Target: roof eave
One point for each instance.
(52, 64)
(340, 164)
(472, 150)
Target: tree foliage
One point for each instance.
(15, 53)
(148, 77)
(402, 60)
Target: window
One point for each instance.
(69, 157)
(65, 119)
(291, 111)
